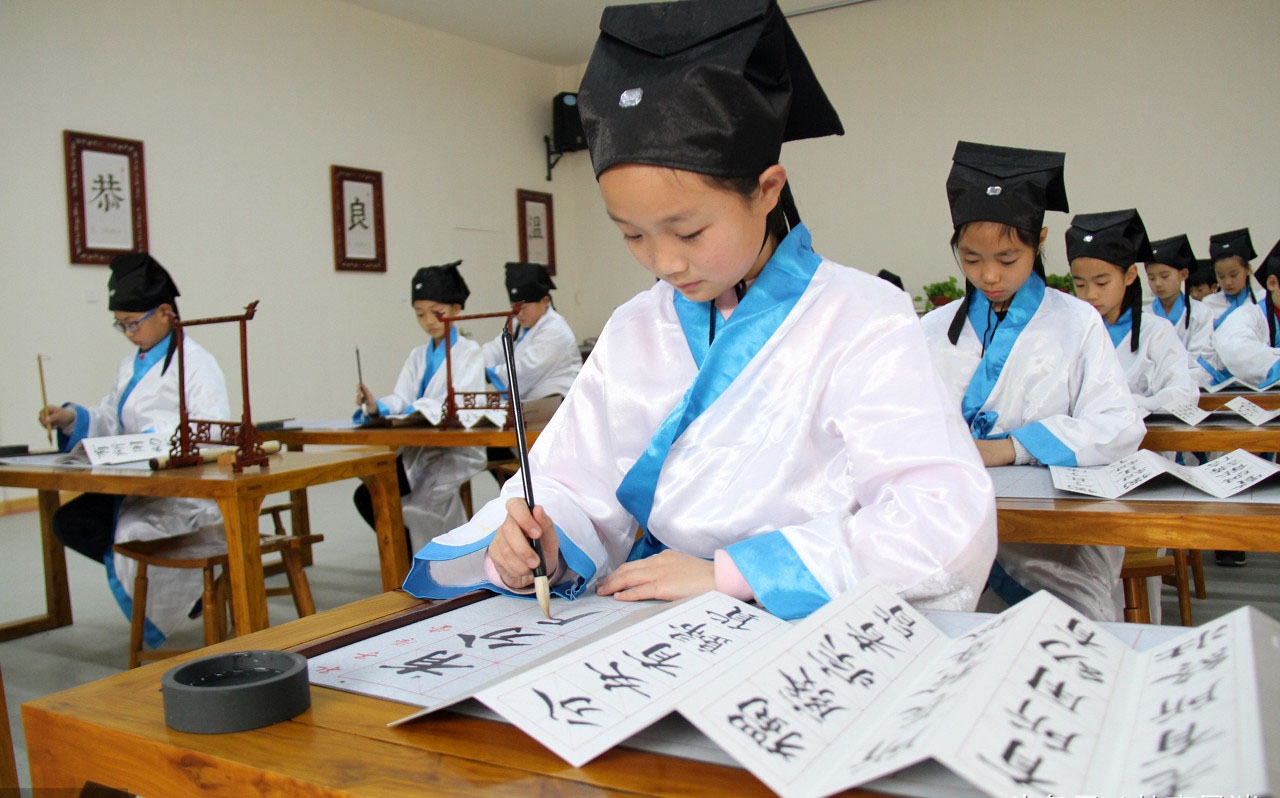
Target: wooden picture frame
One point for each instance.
(359, 233)
(534, 216)
(106, 196)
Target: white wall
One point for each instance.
(1167, 106)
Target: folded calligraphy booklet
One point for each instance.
(1223, 477)
(1036, 701)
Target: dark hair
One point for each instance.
(1029, 237)
(781, 219)
(1133, 302)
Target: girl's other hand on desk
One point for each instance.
(996, 453)
(510, 551)
(668, 575)
(54, 416)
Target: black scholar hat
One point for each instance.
(1270, 265)
(139, 283)
(441, 284)
(707, 86)
(1005, 184)
(528, 282)
(1174, 251)
(1234, 243)
(1117, 237)
(1203, 273)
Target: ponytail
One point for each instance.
(1133, 302)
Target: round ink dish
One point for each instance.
(235, 692)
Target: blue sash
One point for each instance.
(1000, 343)
(1122, 327)
(435, 358)
(1174, 316)
(141, 365)
(1233, 302)
(762, 310)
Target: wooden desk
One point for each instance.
(239, 497)
(1208, 436)
(1267, 400)
(1140, 524)
(112, 732)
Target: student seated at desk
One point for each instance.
(1231, 253)
(143, 399)
(1103, 250)
(430, 476)
(1247, 339)
(546, 353)
(768, 418)
(1033, 370)
(1169, 275)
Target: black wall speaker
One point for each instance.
(566, 125)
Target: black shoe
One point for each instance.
(196, 609)
(1229, 559)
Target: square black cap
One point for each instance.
(1117, 237)
(707, 86)
(1005, 184)
(528, 282)
(1231, 243)
(1175, 252)
(139, 283)
(441, 284)
(1270, 265)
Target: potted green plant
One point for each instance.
(941, 293)
(1062, 282)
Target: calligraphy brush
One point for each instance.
(44, 397)
(540, 584)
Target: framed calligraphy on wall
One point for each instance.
(537, 228)
(359, 236)
(106, 196)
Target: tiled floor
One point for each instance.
(345, 569)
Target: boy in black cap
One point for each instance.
(1034, 372)
(143, 398)
(1203, 280)
(1104, 250)
(1231, 252)
(547, 357)
(760, 412)
(430, 476)
(1169, 275)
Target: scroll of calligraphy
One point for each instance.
(1223, 477)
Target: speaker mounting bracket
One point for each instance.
(550, 163)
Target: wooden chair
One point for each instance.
(1139, 565)
(206, 549)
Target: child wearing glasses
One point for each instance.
(143, 399)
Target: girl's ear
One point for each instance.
(1130, 274)
(771, 182)
(1273, 283)
(1044, 234)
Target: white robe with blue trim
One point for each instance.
(435, 474)
(1158, 374)
(1245, 346)
(836, 445)
(1062, 373)
(547, 358)
(1197, 339)
(152, 406)
(1222, 306)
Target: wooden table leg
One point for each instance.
(393, 553)
(57, 591)
(300, 514)
(244, 563)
